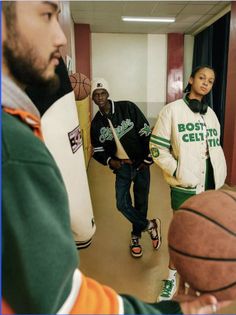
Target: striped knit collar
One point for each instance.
(15, 98)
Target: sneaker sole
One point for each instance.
(136, 255)
(159, 230)
(159, 244)
(160, 298)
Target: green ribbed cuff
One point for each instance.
(169, 307)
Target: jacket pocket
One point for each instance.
(186, 173)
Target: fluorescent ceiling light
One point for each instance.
(147, 19)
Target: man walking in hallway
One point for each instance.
(120, 137)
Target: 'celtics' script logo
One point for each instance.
(106, 133)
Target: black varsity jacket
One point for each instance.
(132, 129)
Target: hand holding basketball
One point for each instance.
(81, 85)
(202, 243)
(204, 304)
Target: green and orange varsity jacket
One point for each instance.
(40, 272)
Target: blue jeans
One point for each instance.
(136, 214)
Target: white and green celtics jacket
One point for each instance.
(180, 143)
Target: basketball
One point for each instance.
(81, 85)
(202, 243)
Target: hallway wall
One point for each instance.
(135, 65)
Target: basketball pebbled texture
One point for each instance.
(202, 243)
(81, 85)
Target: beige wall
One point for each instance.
(135, 67)
(156, 75)
(68, 27)
(121, 59)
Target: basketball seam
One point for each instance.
(219, 289)
(202, 257)
(226, 193)
(208, 218)
(211, 259)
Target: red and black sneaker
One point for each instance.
(135, 247)
(155, 233)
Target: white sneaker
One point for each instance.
(168, 290)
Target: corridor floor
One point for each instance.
(108, 259)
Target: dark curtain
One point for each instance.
(202, 53)
(220, 64)
(211, 47)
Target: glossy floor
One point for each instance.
(108, 259)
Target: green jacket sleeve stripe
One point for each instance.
(160, 138)
(160, 143)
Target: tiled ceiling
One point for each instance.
(105, 16)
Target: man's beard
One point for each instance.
(22, 64)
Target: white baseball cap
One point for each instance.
(99, 83)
